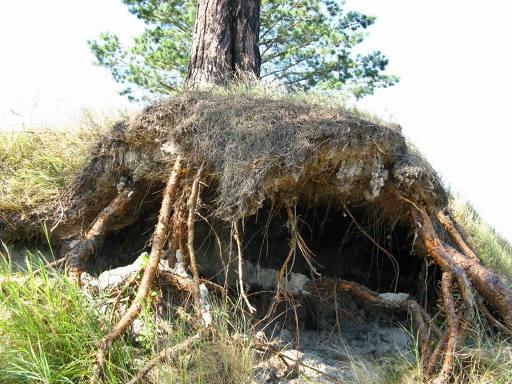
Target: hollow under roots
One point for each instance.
(467, 287)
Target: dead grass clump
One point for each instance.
(258, 147)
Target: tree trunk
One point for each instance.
(225, 42)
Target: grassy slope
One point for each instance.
(49, 329)
(494, 251)
(37, 165)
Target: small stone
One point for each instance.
(398, 298)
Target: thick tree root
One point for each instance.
(468, 271)
(488, 284)
(452, 331)
(77, 257)
(440, 256)
(449, 226)
(474, 282)
(491, 319)
(158, 242)
(165, 355)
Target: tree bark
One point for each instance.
(225, 42)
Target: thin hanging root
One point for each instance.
(192, 205)
(296, 241)
(293, 248)
(392, 259)
(240, 269)
(438, 253)
(453, 324)
(165, 355)
(448, 225)
(159, 239)
(78, 256)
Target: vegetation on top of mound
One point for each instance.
(249, 142)
(37, 166)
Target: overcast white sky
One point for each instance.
(454, 58)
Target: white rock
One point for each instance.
(296, 282)
(114, 277)
(205, 305)
(395, 297)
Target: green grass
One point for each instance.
(225, 357)
(49, 328)
(494, 251)
(37, 165)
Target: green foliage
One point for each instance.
(303, 44)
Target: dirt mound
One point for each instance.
(285, 198)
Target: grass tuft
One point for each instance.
(50, 328)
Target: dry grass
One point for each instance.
(485, 359)
(37, 165)
(250, 142)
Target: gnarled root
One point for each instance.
(158, 241)
(439, 255)
(488, 284)
(466, 269)
(449, 226)
(474, 282)
(80, 253)
(452, 331)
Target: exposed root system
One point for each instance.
(235, 158)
